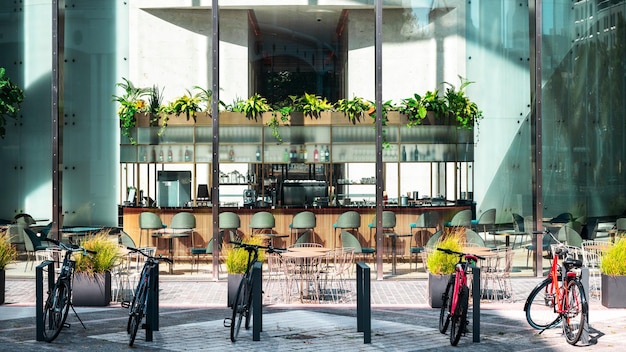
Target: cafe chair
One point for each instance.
(425, 222)
(24, 219)
(33, 245)
(473, 238)
(262, 222)
(126, 241)
(303, 225)
(229, 222)
(486, 222)
(388, 224)
(348, 240)
(149, 221)
(349, 220)
(620, 226)
(462, 218)
(203, 251)
(183, 222)
(546, 241)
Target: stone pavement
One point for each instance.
(193, 307)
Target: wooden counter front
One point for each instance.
(324, 231)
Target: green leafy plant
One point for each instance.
(11, 98)
(441, 263)
(254, 106)
(274, 122)
(108, 254)
(7, 251)
(464, 110)
(613, 261)
(237, 258)
(414, 109)
(354, 108)
(206, 97)
(187, 104)
(311, 104)
(131, 102)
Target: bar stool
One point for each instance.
(263, 223)
(306, 221)
(149, 221)
(388, 223)
(229, 222)
(349, 220)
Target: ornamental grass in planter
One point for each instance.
(236, 263)
(92, 273)
(441, 265)
(7, 255)
(613, 275)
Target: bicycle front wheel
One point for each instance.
(575, 312)
(541, 313)
(459, 317)
(137, 310)
(241, 308)
(446, 302)
(55, 310)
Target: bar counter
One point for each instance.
(324, 231)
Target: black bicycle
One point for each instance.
(139, 305)
(243, 300)
(59, 298)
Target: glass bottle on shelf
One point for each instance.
(415, 154)
(144, 155)
(161, 155)
(231, 154)
(258, 153)
(403, 153)
(187, 154)
(152, 154)
(170, 156)
(327, 155)
(316, 154)
(286, 155)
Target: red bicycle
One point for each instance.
(455, 300)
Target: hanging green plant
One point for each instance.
(11, 98)
(131, 103)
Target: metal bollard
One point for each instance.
(152, 309)
(39, 305)
(257, 301)
(363, 301)
(584, 279)
(476, 304)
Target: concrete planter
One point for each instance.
(436, 287)
(613, 288)
(92, 290)
(233, 286)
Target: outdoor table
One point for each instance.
(305, 265)
(78, 232)
(394, 237)
(508, 234)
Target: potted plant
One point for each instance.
(7, 254)
(460, 107)
(236, 263)
(187, 104)
(441, 265)
(354, 108)
(311, 104)
(11, 98)
(92, 273)
(131, 103)
(613, 275)
(413, 107)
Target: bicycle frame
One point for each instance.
(460, 280)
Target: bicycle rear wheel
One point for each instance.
(55, 310)
(446, 302)
(137, 310)
(241, 308)
(540, 311)
(459, 318)
(575, 312)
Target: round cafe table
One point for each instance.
(508, 234)
(304, 265)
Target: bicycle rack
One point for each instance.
(39, 285)
(152, 309)
(257, 301)
(363, 302)
(476, 303)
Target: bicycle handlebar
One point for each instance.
(449, 251)
(160, 257)
(247, 246)
(71, 247)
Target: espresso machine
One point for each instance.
(249, 198)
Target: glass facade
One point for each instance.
(278, 49)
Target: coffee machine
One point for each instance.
(249, 198)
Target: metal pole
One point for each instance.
(215, 175)
(257, 301)
(379, 137)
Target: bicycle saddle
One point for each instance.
(571, 263)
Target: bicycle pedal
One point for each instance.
(227, 322)
(125, 304)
